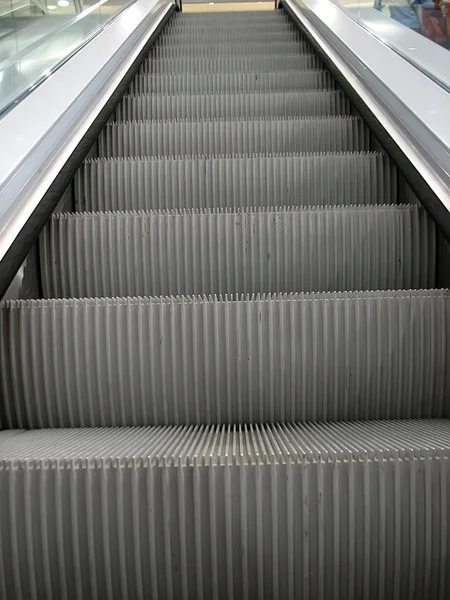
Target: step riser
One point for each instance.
(247, 15)
(228, 106)
(230, 20)
(227, 37)
(358, 179)
(172, 361)
(318, 529)
(231, 24)
(230, 82)
(120, 254)
(240, 49)
(232, 64)
(251, 15)
(228, 30)
(178, 138)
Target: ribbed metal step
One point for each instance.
(232, 33)
(229, 36)
(233, 105)
(237, 136)
(205, 30)
(227, 496)
(241, 49)
(209, 252)
(250, 17)
(230, 64)
(272, 511)
(140, 361)
(226, 82)
(235, 182)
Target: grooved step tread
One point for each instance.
(294, 511)
(220, 445)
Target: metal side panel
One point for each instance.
(142, 361)
(235, 182)
(241, 251)
(233, 105)
(350, 510)
(242, 136)
(166, 83)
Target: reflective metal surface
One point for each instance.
(411, 107)
(33, 45)
(39, 148)
(419, 30)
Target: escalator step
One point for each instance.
(229, 82)
(229, 18)
(232, 64)
(224, 30)
(278, 32)
(270, 511)
(242, 136)
(238, 182)
(226, 49)
(240, 251)
(142, 361)
(220, 363)
(233, 105)
(233, 36)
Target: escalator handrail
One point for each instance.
(406, 108)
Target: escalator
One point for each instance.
(234, 382)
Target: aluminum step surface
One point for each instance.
(233, 136)
(277, 511)
(233, 105)
(232, 64)
(234, 33)
(237, 251)
(206, 31)
(232, 17)
(238, 467)
(229, 36)
(228, 82)
(244, 49)
(235, 182)
(194, 360)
